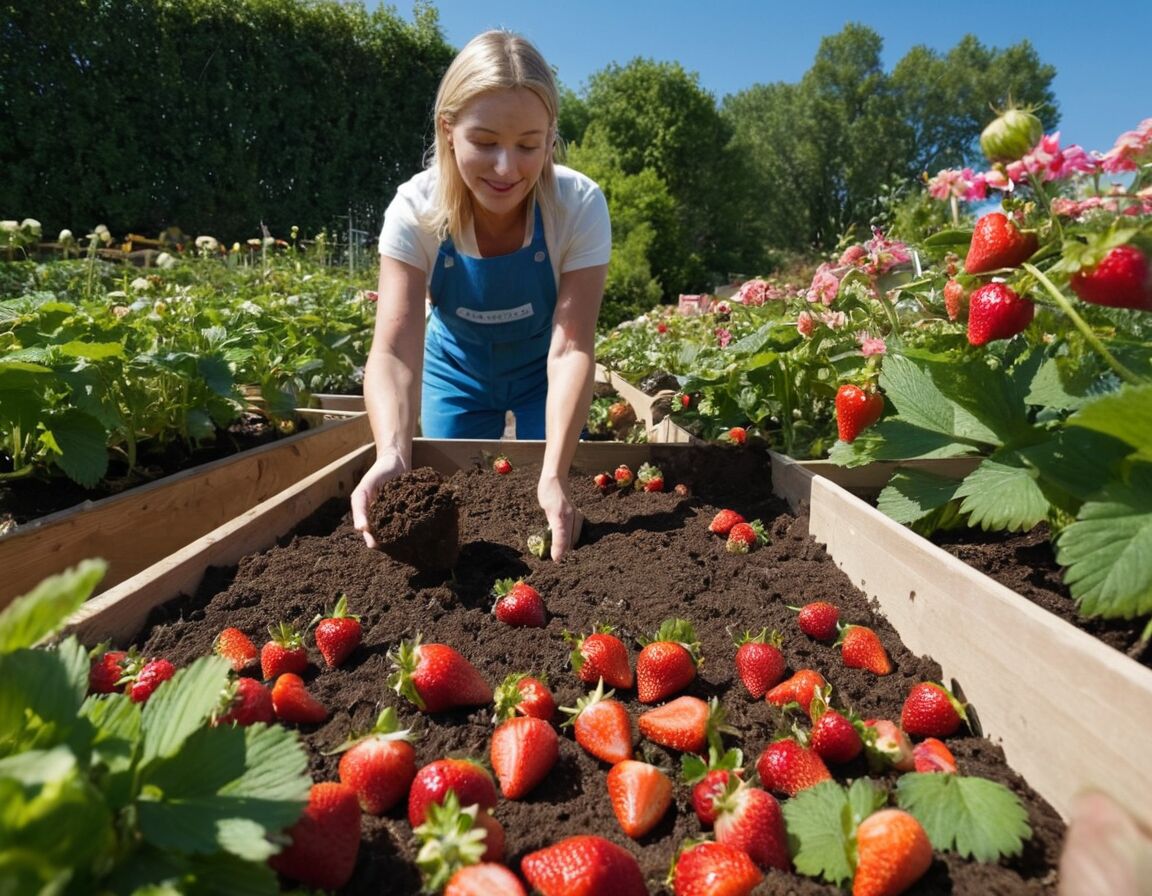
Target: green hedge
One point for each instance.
(211, 115)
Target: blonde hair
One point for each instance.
(493, 60)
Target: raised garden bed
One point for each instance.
(645, 557)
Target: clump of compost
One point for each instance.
(416, 520)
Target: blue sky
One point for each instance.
(1100, 50)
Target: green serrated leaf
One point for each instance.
(911, 495)
(42, 611)
(180, 707)
(1077, 461)
(919, 402)
(93, 351)
(1050, 388)
(40, 695)
(816, 836)
(80, 441)
(977, 818)
(1126, 414)
(1003, 493)
(1105, 552)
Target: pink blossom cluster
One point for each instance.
(723, 337)
(758, 291)
(1047, 161)
(1117, 204)
(825, 285)
(961, 183)
(873, 258)
(806, 321)
(869, 344)
(1132, 149)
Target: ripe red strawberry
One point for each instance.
(106, 671)
(932, 755)
(714, 869)
(723, 522)
(338, 633)
(856, 410)
(601, 725)
(931, 710)
(325, 840)
(526, 695)
(667, 664)
(887, 746)
(518, 603)
(799, 688)
(601, 655)
(640, 794)
(892, 853)
(624, 476)
(955, 300)
(502, 465)
(997, 243)
(484, 879)
(436, 677)
(144, 679)
(995, 311)
(494, 836)
(379, 764)
(750, 819)
(785, 766)
(293, 702)
(283, 652)
(650, 478)
(737, 435)
(584, 865)
(454, 836)
(236, 647)
(1121, 279)
(834, 737)
(523, 751)
(469, 780)
(819, 619)
(686, 724)
(708, 790)
(860, 648)
(759, 661)
(604, 481)
(246, 702)
(744, 537)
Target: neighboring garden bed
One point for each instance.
(643, 557)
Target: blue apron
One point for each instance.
(486, 349)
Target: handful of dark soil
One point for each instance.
(416, 520)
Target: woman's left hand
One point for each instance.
(564, 520)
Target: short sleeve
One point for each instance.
(403, 237)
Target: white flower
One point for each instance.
(207, 243)
(9, 226)
(164, 260)
(65, 237)
(140, 283)
(31, 225)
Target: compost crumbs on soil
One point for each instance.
(642, 558)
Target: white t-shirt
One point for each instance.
(579, 235)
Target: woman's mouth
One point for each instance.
(499, 187)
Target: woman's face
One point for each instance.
(501, 141)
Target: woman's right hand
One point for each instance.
(387, 466)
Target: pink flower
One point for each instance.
(1048, 161)
(870, 345)
(693, 304)
(805, 324)
(834, 320)
(958, 183)
(884, 254)
(1000, 179)
(1131, 150)
(825, 285)
(853, 254)
(723, 337)
(722, 308)
(752, 292)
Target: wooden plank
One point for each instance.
(135, 529)
(330, 401)
(1070, 712)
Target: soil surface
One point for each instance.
(642, 558)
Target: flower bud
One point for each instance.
(1011, 135)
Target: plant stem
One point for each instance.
(1086, 331)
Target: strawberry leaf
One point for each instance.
(919, 401)
(1125, 414)
(912, 495)
(43, 610)
(977, 818)
(180, 706)
(821, 823)
(1003, 494)
(1106, 550)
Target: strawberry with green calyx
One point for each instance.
(601, 725)
(236, 647)
(737, 435)
(324, 842)
(624, 476)
(710, 779)
(244, 702)
(886, 746)
(484, 879)
(955, 300)
(106, 670)
(501, 465)
(1120, 278)
(932, 755)
(931, 710)
(604, 481)
(749, 818)
(996, 311)
(640, 794)
(467, 779)
(723, 522)
(1011, 135)
(284, 651)
(861, 648)
(584, 865)
(523, 751)
(337, 633)
(293, 702)
(835, 736)
(998, 243)
(650, 478)
(436, 677)
(687, 724)
(143, 676)
(798, 688)
(668, 662)
(857, 408)
(451, 838)
(379, 764)
(707, 868)
(787, 766)
(745, 537)
(523, 694)
(818, 619)
(760, 662)
(518, 604)
(601, 655)
(540, 543)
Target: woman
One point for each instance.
(511, 249)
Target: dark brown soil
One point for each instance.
(416, 520)
(642, 558)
